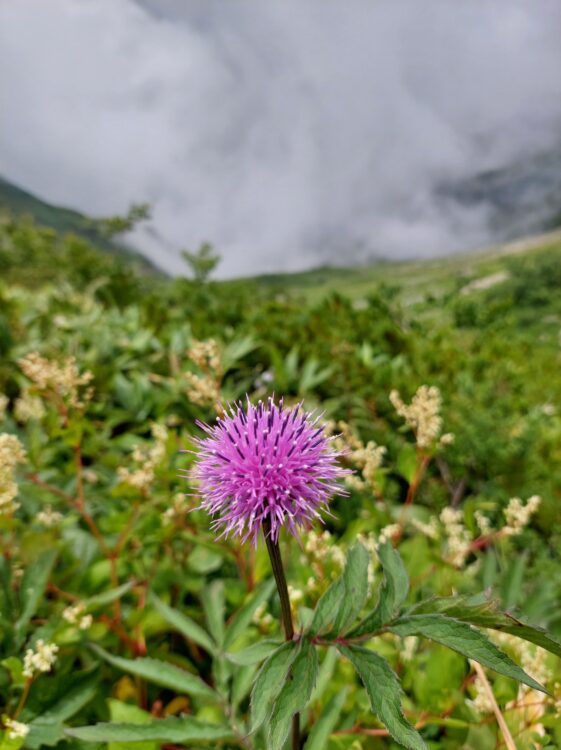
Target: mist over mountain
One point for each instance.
(289, 134)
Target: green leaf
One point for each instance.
(106, 597)
(243, 617)
(161, 673)
(129, 713)
(461, 637)
(269, 682)
(15, 668)
(33, 585)
(325, 673)
(344, 599)
(294, 695)
(355, 581)
(327, 608)
(214, 607)
(487, 614)
(183, 624)
(48, 728)
(512, 588)
(407, 462)
(171, 729)
(241, 684)
(326, 723)
(44, 734)
(83, 691)
(393, 591)
(384, 691)
(204, 561)
(253, 654)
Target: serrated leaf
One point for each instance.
(83, 691)
(384, 691)
(33, 585)
(325, 673)
(243, 617)
(294, 695)
(127, 713)
(393, 591)
(161, 673)
(327, 608)
(355, 581)
(171, 729)
(461, 637)
(241, 684)
(487, 614)
(212, 598)
(253, 654)
(269, 682)
(318, 737)
(44, 734)
(183, 624)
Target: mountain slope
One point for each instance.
(19, 202)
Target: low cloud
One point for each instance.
(288, 134)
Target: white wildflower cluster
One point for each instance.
(320, 552)
(296, 596)
(48, 517)
(367, 457)
(430, 529)
(202, 390)
(410, 643)
(483, 522)
(423, 415)
(481, 701)
(458, 537)
(518, 515)
(3, 406)
(530, 705)
(28, 407)
(178, 509)
(40, 660)
(389, 533)
(205, 354)
(147, 460)
(16, 730)
(75, 615)
(12, 453)
(90, 476)
(63, 379)
(262, 618)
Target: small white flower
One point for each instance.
(16, 729)
(48, 517)
(40, 660)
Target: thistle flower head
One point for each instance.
(267, 465)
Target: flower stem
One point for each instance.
(286, 615)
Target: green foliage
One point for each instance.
(167, 635)
(201, 263)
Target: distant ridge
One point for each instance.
(20, 202)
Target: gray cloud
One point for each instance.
(288, 134)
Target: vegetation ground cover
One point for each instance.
(104, 370)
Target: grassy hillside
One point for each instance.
(19, 202)
(415, 279)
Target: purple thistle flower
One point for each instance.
(265, 464)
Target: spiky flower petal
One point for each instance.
(266, 464)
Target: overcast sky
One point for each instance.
(287, 133)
